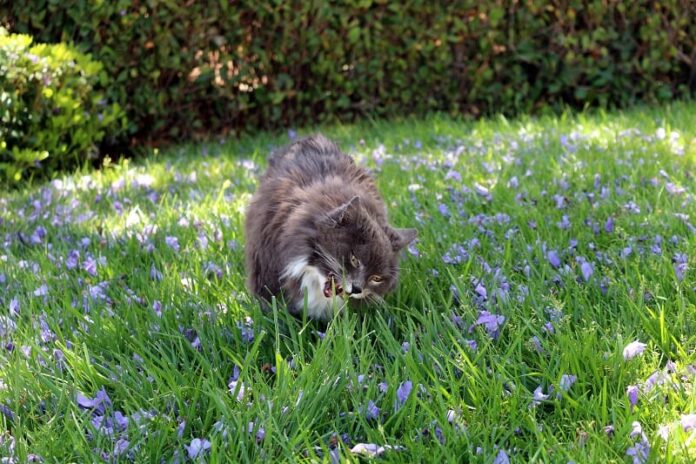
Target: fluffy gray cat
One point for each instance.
(317, 234)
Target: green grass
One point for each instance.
(301, 386)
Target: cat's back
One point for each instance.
(309, 160)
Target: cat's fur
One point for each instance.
(317, 232)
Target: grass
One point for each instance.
(161, 330)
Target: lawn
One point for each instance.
(547, 247)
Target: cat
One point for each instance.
(317, 234)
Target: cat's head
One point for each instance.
(358, 256)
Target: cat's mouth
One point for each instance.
(332, 285)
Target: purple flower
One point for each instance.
(632, 392)
(567, 382)
(491, 322)
(413, 250)
(73, 259)
(453, 175)
(586, 269)
(90, 265)
(680, 265)
(260, 433)
(636, 430)
(197, 448)
(402, 394)
(368, 449)
(41, 291)
(292, 134)
(688, 422)
(553, 258)
(444, 210)
(609, 430)
(246, 329)
(157, 308)
(564, 224)
(639, 452)
(172, 242)
(609, 225)
(14, 307)
(372, 411)
(481, 291)
(633, 349)
(99, 403)
(154, 273)
(455, 255)
(538, 397)
(121, 446)
(7, 412)
(383, 387)
(501, 458)
(405, 346)
(471, 344)
(536, 343)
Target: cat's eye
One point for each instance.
(375, 279)
(354, 261)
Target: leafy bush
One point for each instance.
(212, 67)
(51, 116)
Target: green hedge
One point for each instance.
(183, 69)
(52, 115)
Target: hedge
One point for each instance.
(186, 69)
(53, 114)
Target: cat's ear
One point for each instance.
(400, 237)
(339, 215)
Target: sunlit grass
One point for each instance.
(162, 333)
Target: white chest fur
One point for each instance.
(312, 282)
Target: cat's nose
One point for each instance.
(355, 289)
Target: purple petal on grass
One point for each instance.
(632, 392)
(371, 411)
(633, 349)
(41, 291)
(471, 344)
(586, 269)
(553, 258)
(7, 412)
(14, 307)
(99, 403)
(260, 433)
(172, 242)
(567, 382)
(636, 430)
(501, 458)
(402, 393)
(539, 396)
(157, 308)
(180, 429)
(155, 274)
(688, 422)
(197, 448)
(72, 260)
(451, 415)
(121, 447)
(609, 225)
(405, 346)
(639, 452)
(371, 450)
(491, 322)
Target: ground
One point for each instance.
(547, 311)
